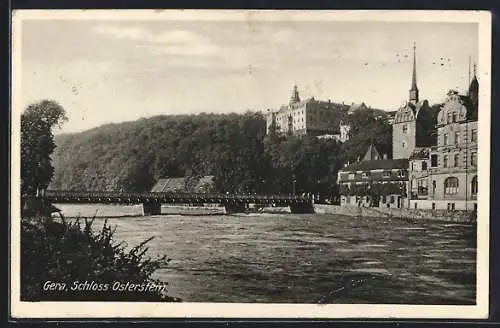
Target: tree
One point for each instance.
(37, 144)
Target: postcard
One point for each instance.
(250, 164)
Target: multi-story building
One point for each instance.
(375, 181)
(309, 116)
(444, 176)
(413, 124)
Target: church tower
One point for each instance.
(404, 128)
(473, 93)
(414, 89)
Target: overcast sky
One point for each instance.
(112, 71)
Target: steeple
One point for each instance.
(414, 89)
(295, 96)
(473, 91)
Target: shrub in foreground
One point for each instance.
(69, 261)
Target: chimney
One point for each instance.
(385, 156)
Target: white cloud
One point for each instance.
(175, 42)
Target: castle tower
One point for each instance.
(295, 96)
(414, 88)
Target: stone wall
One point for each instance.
(468, 217)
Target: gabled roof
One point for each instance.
(356, 107)
(384, 164)
(372, 154)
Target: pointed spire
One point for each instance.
(414, 88)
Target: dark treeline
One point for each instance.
(233, 148)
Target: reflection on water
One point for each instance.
(305, 258)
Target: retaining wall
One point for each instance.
(468, 217)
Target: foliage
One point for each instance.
(37, 144)
(233, 148)
(67, 252)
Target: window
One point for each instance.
(445, 139)
(448, 118)
(383, 199)
(473, 159)
(434, 160)
(451, 186)
(474, 185)
(474, 136)
(434, 186)
(451, 206)
(402, 174)
(415, 205)
(403, 144)
(475, 206)
(433, 206)
(454, 119)
(386, 174)
(455, 160)
(445, 161)
(351, 176)
(405, 128)
(392, 199)
(457, 138)
(424, 166)
(366, 174)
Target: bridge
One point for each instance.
(152, 201)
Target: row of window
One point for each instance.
(456, 140)
(456, 160)
(449, 206)
(451, 186)
(385, 174)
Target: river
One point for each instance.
(306, 258)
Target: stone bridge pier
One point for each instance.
(302, 208)
(236, 207)
(151, 208)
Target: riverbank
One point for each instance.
(464, 217)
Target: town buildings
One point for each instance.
(444, 176)
(434, 158)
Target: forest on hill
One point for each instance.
(234, 148)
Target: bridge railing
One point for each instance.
(118, 194)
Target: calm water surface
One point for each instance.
(307, 258)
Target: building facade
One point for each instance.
(444, 176)
(374, 181)
(309, 116)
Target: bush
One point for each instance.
(65, 261)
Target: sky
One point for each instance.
(104, 71)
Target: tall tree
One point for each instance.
(37, 144)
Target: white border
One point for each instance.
(234, 310)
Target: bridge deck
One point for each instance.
(113, 197)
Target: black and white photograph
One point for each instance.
(223, 163)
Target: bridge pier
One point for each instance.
(301, 208)
(236, 207)
(151, 209)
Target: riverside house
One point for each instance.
(374, 181)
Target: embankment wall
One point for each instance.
(468, 217)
